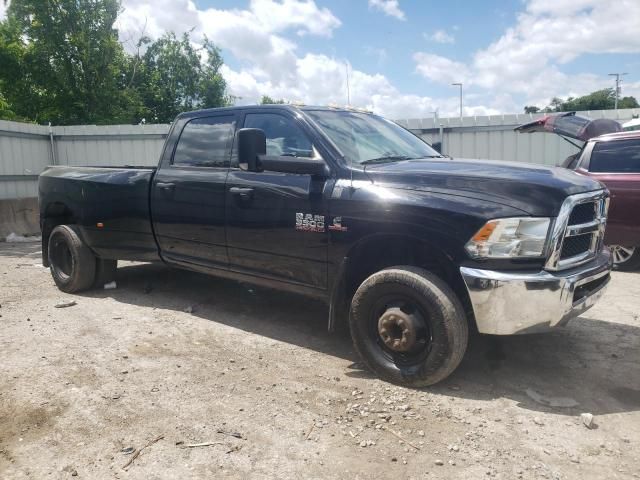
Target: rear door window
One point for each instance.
(620, 156)
(205, 142)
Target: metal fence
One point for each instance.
(493, 138)
(26, 149)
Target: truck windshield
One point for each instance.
(365, 138)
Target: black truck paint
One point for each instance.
(318, 235)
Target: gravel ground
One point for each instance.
(173, 359)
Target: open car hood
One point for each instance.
(571, 125)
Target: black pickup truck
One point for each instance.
(411, 248)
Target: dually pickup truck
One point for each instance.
(411, 248)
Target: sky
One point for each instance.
(402, 56)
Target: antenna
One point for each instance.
(346, 64)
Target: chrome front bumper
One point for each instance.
(507, 303)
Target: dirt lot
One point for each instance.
(123, 367)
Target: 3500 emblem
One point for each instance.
(307, 222)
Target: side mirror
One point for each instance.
(251, 143)
(252, 148)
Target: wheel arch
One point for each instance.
(378, 251)
(54, 214)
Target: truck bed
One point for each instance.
(115, 197)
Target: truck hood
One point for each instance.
(533, 189)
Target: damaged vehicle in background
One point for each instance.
(612, 157)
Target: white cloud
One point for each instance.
(303, 15)
(263, 18)
(526, 59)
(380, 54)
(440, 36)
(320, 79)
(269, 61)
(3, 10)
(440, 69)
(631, 89)
(388, 7)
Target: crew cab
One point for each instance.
(612, 157)
(410, 248)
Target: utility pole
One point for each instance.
(617, 75)
(459, 85)
(435, 117)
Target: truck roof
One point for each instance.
(286, 106)
(626, 135)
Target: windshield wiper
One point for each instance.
(386, 159)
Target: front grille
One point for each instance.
(583, 213)
(574, 246)
(579, 230)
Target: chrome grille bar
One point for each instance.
(562, 229)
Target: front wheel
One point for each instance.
(408, 326)
(625, 259)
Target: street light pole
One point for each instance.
(459, 85)
(617, 75)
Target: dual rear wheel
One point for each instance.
(73, 265)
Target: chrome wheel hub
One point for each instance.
(398, 330)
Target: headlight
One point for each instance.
(510, 238)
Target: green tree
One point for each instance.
(5, 110)
(555, 105)
(267, 100)
(531, 109)
(67, 58)
(628, 102)
(599, 100)
(170, 77)
(61, 61)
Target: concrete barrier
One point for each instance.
(19, 216)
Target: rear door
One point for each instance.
(616, 163)
(276, 221)
(188, 192)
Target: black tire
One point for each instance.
(442, 342)
(72, 264)
(105, 272)
(625, 259)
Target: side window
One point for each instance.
(284, 137)
(205, 142)
(621, 156)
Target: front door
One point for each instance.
(188, 195)
(276, 221)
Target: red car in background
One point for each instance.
(612, 157)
